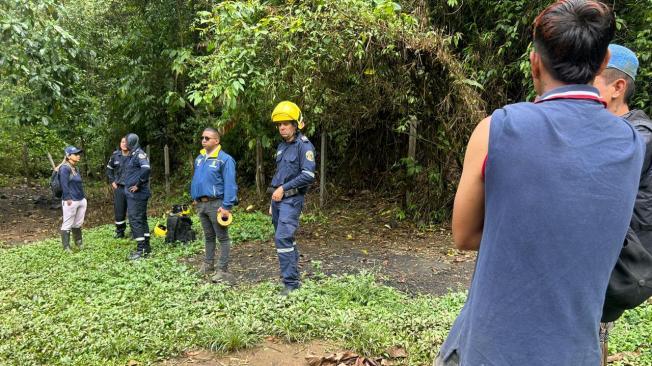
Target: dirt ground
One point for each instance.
(27, 213)
(362, 235)
(269, 353)
(358, 233)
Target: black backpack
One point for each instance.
(55, 184)
(179, 229)
(630, 283)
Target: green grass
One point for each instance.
(93, 307)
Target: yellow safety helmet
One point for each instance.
(160, 231)
(287, 111)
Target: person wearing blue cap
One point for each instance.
(73, 199)
(616, 87)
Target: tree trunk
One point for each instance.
(260, 174)
(412, 156)
(412, 144)
(25, 161)
(192, 164)
(322, 171)
(85, 160)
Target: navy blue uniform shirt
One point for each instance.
(137, 173)
(295, 163)
(71, 184)
(116, 167)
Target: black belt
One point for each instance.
(289, 192)
(206, 199)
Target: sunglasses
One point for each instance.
(206, 138)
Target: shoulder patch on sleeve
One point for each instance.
(310, 155)
(142, 156)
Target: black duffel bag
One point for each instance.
(630, 283)
(179, 229)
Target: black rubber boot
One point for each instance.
(65, 240)
(207, 268)
(148, 249)
(141, 250)
(120, 231)
(77, 237)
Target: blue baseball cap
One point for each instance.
(69, 150)
(623, 59)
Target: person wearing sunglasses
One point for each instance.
(214, 192)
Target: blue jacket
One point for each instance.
(137, 174)
(71, 184)
(215, 177)
(295, 164)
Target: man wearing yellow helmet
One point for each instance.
(295, 171)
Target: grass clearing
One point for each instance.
(94, 307)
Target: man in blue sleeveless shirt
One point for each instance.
(546, 195)
(617, 85)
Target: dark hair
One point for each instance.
(610, 75)
(572, 37)
(212, 130)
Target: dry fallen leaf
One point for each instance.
(397, 352)
(621, 356)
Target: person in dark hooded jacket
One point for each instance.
(136, 186)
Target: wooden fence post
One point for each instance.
(166, 156)
(25, 161)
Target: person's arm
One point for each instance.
(143, 177)
(64, 179)
(145, 169)
(468, 209)
(110, 174)
(230, 185)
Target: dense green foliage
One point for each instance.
(93, 307)
(80, 72)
